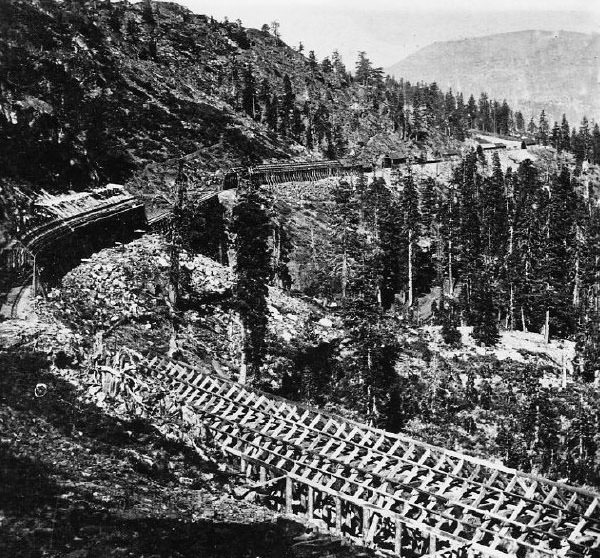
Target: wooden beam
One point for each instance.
(399, 527)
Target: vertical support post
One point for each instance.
(338, 514)
(311, 503)
(398, 538)
(34, 277)
(432, 543)
(289, 494)
(263, 474)
(242, 464)
(366, 526)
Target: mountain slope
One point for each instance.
(531, 69)
(94, 92)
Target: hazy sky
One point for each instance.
(389, 30)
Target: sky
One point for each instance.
(390, 30)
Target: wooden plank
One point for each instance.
(338, 514)
(398, 532)
(336, 478)
(289, 495)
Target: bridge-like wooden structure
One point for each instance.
(56, 218)
(306, 171)
(378, 489)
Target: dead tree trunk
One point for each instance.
(174, 270)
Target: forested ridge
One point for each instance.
(504, 251)
(533, 69)
(95, 91)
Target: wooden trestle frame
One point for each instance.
(378, 489)
(278, 173)
(40, 237)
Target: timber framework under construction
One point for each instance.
(377, 489)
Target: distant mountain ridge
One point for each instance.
(534, 70)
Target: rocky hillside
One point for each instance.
(533, 70)
(96, 93)
(92, 92)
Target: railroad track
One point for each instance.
(41, 237)
(10, 308)
(14, 309)
(382, 489)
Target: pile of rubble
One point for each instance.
(123, 293)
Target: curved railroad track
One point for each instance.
(14, 307)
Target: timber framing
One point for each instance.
(378, 489)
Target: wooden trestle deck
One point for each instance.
(40, 237)
(379, 489)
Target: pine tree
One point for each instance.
(264, 94)
(519, 121)
(390, 239)
(427, 204)
(381, 217)
(321, 124)
(524, 232)
(361, 186)
(596, 144)
(344, 227)
(133, 29)
(447, 317)
(459, 121)
(484, 315)
(249, 101)
(115, 19)
(484, 113)
(584, 142)
(374, 362)
(287, 107)
(588, 335)
(409, 203)
(326, 66)
(472, 112)
(275, 25)
(281, 249)
(203, 227)
(582, 443)
(504, 119)
(398, 114)
(565, 135)
(148, 14)
(555, 217)
(364, 69)
(252, 229)
(563, 236)
(543, 129)
(297, 125)
(493, 213)
(312, 61)
(272, 114)
(555, 137)
(339, 69)
(468, 180)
